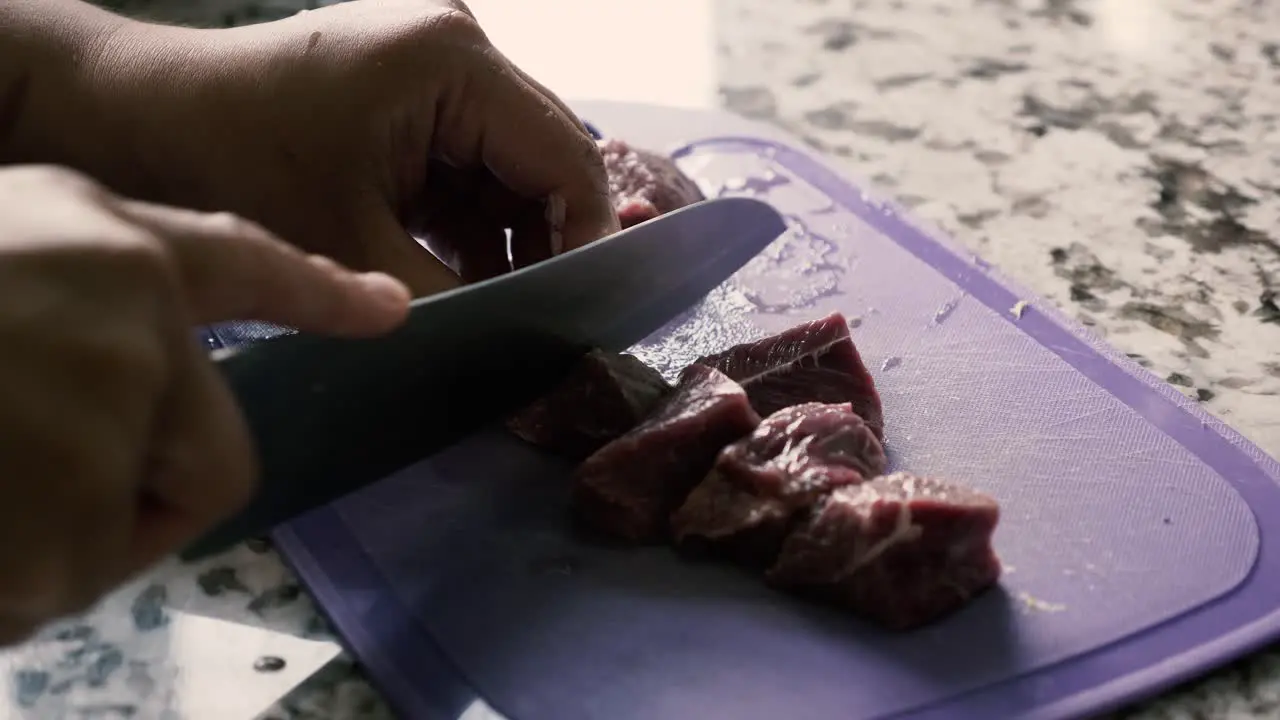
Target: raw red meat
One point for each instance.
(803, 451)
(812, 362)
(794, 494)
(604, 396)
(761, 482)
(630, 486)
(644, 184)
(900, 550)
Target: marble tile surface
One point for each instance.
(1118, 157)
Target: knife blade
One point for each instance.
(330, 415)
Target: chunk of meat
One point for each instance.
(899, 550)
(813, 362)
(630, 486)
(644, 184)
(720, 518)
(604, 396)
(762, 481)
(804, 451)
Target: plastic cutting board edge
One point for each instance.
(1140, 534)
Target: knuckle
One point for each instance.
(451, 26)
(142, 275)
(456, 19)
(58, 177)
(231, 225)
(446, 33)
(136, 256)
(457, 6)
(116, 349)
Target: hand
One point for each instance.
(118, 440)
(348, 128)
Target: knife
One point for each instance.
(330, 415)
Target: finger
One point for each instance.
(536, 149)
(98, 520)
(77, 516)
(474, 252)
(462, 7)
(469, 216)
(231, 269)
(391, 249)
(532, 224)
(202, 465)
(76, 535)
(578, 208)
(543, 90)
(459, 208)
(531, 240)
(16, 629)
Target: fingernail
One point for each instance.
(387, 290)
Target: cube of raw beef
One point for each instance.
(899, 550)
(762, 481)
(604, 396)
(630, 486)
(644, 184)
(721, 518)
(812, 362)
(804, 451)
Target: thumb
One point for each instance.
(232, 269)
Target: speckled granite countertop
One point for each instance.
(1119, 157)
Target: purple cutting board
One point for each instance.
(1138, 531)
